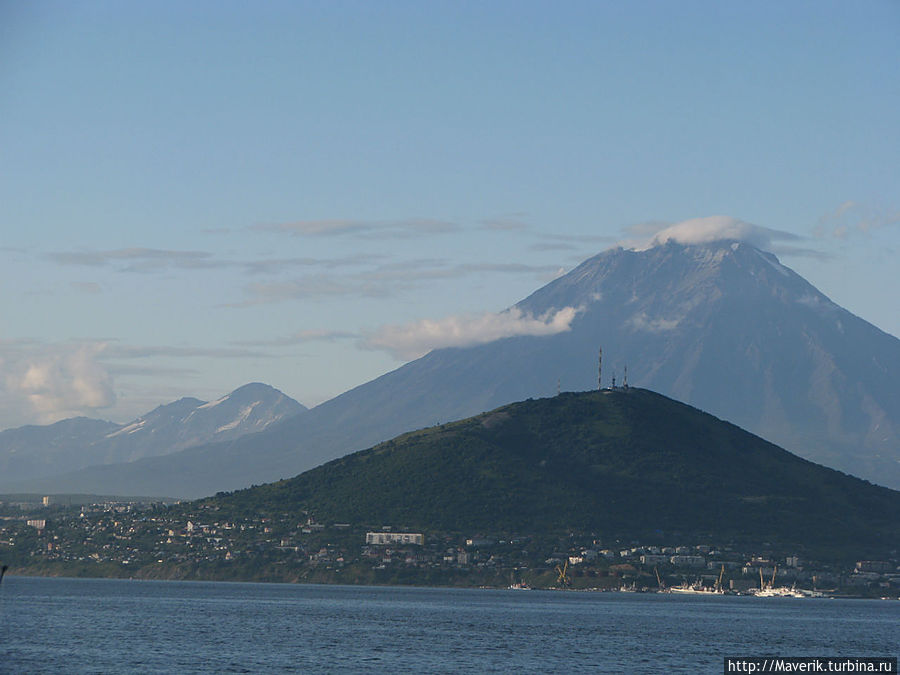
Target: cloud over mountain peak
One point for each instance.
(697, 231)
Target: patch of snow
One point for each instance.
(707, 257)
(819, 304)
(205, 406)
(244, 414)
(130, 429)
(781, 269)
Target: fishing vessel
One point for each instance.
(769, 590)
(697, 588)
(693, 589)
(780, 592)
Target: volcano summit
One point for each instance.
(720, 325)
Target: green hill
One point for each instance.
(628, 462)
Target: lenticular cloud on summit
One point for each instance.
(715, 228)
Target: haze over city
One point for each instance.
(196, 197)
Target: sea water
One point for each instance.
(117, 626)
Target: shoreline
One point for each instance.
(26, 573)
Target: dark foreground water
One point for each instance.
(109, 626)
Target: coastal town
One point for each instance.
(196, 541)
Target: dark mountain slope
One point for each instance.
(35, 450)
(624, 461)
(723, 326)
(729, 329)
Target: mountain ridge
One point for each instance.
(722, 326)
(624, 461)
(36, 453)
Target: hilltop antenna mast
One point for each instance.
(614, 380)
(600, 369)
(558, 381)
(625, 378)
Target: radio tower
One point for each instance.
(600, 369)
(625, 377)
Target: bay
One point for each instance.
(121, 626)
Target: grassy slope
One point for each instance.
(623, 461)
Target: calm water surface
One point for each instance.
(112, 626)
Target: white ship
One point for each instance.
(771, 591)
(697, 588)
(780, 592)
(694, 589)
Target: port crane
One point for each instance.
(762, 582)
(562, 574)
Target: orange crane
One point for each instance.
(562, 574)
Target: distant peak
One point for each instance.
(185, 402)
(253, 389)
(260, 391)
(254, 386)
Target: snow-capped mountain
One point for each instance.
(723, 326)
(189, 421)
(726, 327)
(35, 451)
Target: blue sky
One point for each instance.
(199, 195)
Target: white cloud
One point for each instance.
(412, 340)
(41, 383)
(697, 231)
(48, 383)
(715, 228)
(645, 323)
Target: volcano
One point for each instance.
(722, 326)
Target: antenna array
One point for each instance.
(600, 369)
